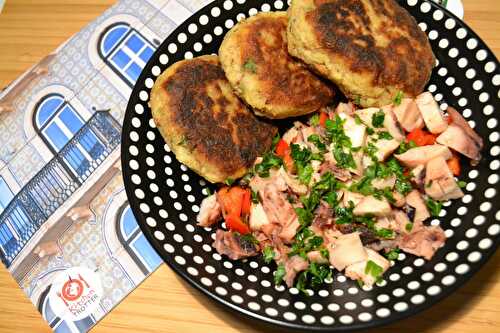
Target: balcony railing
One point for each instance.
(58, 180)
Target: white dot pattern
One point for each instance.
(166, 194)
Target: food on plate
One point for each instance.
(255, 59)
(325, 197)
(371, 49)
(204, 123)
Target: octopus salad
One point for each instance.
(347, 190)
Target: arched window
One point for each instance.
(135, 243)
(57, 324)
(125, 50)
(57, 121)
(6, 195)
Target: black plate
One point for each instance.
(165, 195)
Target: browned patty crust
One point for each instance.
(204, 123)
(254, 55)
(370, 48)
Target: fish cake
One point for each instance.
(371, 49)
(255, 58)
(204, 123)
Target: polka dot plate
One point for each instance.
(165, 195)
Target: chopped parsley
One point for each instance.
(304, 243)
(314, 120)
(316, 140)
(269, 160)
(249, 238)
(325, 253)
(275, 141)
(302, 158)
(399, 97)
(409, 226)
(268, 254)
(393, 254)
(374, 270)
(378, 119)
(371, 151)
(384, 135)
(342, 145)
(384, 233)
(279, 274)
(305, 216)
(250, 65)
(358, 120)
(405, 146)
(255, 197)
(229, 181)
(434, 206)
(461, 184)
(313, 277)
(403, 185)
(357, 100)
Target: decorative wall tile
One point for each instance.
(25, 164)
(161, 25)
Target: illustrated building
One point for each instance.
(62, 198)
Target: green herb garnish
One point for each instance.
(279, 274)
(405, 146)
(373, 269)
(461, 184)
(384, 233)
(398, 98)
(316, 140)
(229, 181)
(385, 135)
(434, 206)
(268, 254)
(269, 160)
(393, 254)
(409, 226)
(314, 120)
(249, 238)
(302, 158)
(255, 197)
(378, 119)
(313, 277)
(250, 65)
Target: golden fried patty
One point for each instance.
(255, 58)
(370, 48)
(205, 124)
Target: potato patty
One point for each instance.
(371, 49)
(255, 58)
(205, 124)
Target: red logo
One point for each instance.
(73, 289)
(74, 297)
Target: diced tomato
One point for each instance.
(454, 165)
(421, 137)
(449, 120)
(231, 200)
(323, 116)
(289, 164)
(247, 203)
(283, 151)
(282, 148)
(234, 223)
(406, 173)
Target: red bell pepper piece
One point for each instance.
(234, 223)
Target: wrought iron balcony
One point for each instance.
(58, 180)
